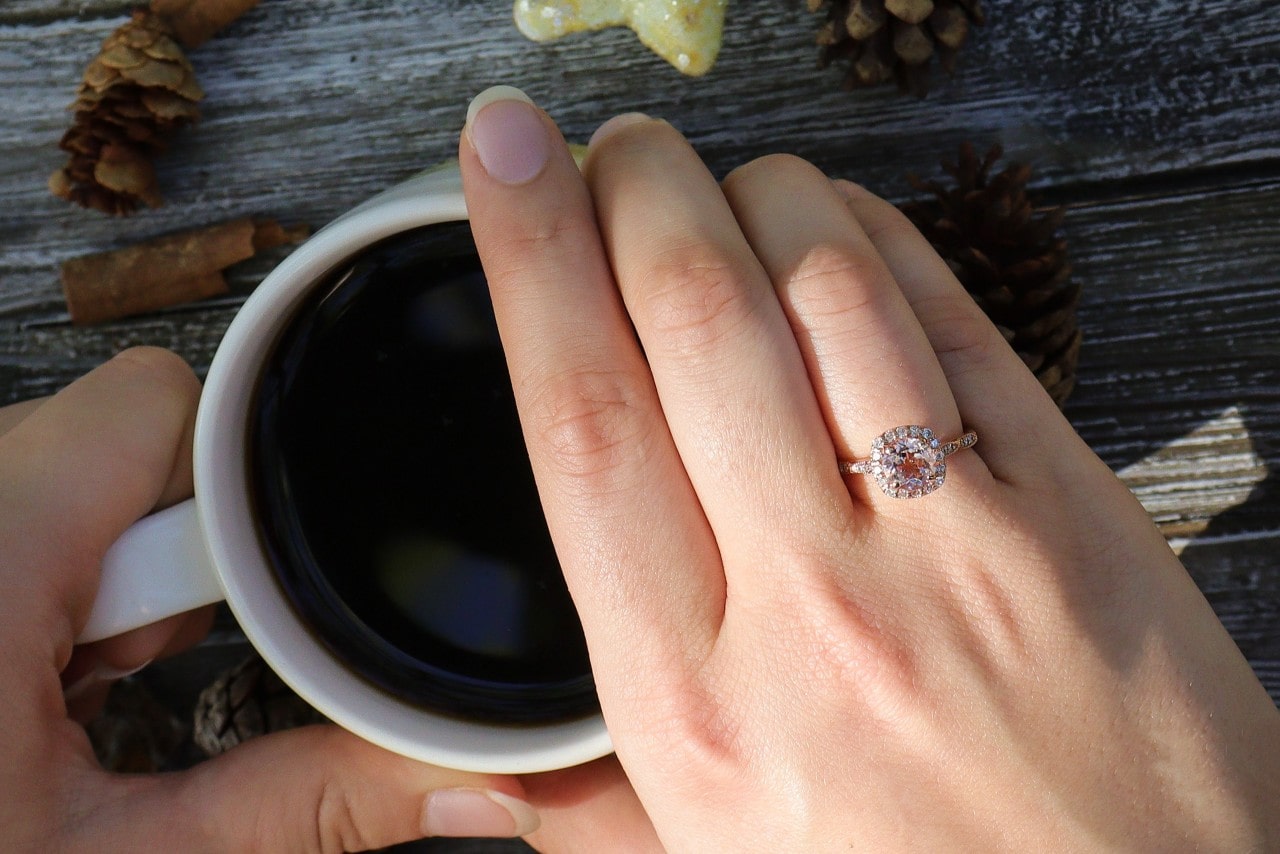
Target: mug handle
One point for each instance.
(159, 567)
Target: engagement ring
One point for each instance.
(908, 462)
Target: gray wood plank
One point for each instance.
(314, 105)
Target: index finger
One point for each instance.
(74, 474)
(638, 557)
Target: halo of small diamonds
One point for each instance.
(908, 461)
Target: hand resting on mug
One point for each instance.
(75, 471)
(789, 658)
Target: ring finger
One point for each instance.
(868, 357)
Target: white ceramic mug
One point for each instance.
(207, 549)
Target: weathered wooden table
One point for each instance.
(1156, 124)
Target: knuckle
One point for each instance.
(542, 232)
(695, 299)
(552, 232)
(589, 424)
(336, 826)
(838, 282)
(964, 340)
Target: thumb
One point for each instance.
(317, 788)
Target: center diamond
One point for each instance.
(907, 462)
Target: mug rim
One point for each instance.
(224, 508)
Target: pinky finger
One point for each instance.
(1019, 425)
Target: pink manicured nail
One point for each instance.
(508, 134)
(477, 812)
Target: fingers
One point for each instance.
(313, 789)
(869, 360)
(996, 394)
(638, 557)
(730, 377)
(77, 471)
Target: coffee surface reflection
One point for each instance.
(397, 502)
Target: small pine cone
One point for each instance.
(244, 702)
(1010, 258)
(137, 92)
(883, 40)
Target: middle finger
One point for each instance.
(729, 374)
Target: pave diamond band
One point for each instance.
(909, 461)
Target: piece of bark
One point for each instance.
(196, 21)
(166, 271)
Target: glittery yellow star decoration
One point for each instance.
(686, 33)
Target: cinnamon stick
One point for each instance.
(196, 21)
(165, 271)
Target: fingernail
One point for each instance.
(508, 134)
(615, 124)
(477, 812)
(98, 676)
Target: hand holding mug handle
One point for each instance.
(75, 471)
(159, 567)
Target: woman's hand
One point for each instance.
(75, 471)
(789, 659)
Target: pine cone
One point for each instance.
(136, 92)
(244, 702)
(883, 40)
(1010, 258)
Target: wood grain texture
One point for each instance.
(1156, 123)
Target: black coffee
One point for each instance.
(395, 494)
